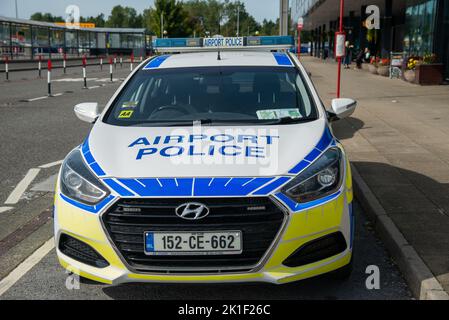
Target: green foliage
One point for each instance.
(182, 19)
(124, 17)
(175, 19)
(46, 17)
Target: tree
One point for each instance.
(99, 20)
(269, 28)
(206, 16)
(45, 17)
(124, 17)
(247, 24)
(176, 19)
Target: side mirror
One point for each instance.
(342, 108)
(88, 111)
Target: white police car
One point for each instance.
(208, 168)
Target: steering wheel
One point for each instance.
(179, 108)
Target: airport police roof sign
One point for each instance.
(223, 42)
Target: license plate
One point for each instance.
(193, 243)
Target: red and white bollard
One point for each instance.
(110, 69)
(39, 66)
(49, 67)
(84, 72)
(132, 61)
(7, 68)
(64, 64)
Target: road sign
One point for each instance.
(300, 23)
(340, 39)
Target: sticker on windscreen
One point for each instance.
(125, 114)
(129, 104)
(276, 114)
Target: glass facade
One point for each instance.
(28, 39)
(420, 27)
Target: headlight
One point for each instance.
(322, 178)
(78, 183)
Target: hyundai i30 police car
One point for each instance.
(217, 165)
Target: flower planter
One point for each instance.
(384, 71)
(372, 69)
(410, 75)
(429, 74)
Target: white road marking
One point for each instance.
(14, 197)
(51, 164)
(46, 186)
(4, 209)
(57, 94)
(26, 266)
(38, 98)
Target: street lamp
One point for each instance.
(238, 20)
(165, 34)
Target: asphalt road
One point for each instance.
(43, 131)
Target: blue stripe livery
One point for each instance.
(90, 160)
(92, 209)
(322, 145)
(198, 187)
(123, 192)
(272, 186)
(296, 207)
(352, 221)
(156, 62)
(227, 186)
(282, 59)
(159, 187)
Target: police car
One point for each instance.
(213, 165)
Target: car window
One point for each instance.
(220, 94)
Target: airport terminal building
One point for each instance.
(25, 39)
(416, 27)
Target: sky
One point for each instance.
(260, 9)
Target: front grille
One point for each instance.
(259, 219)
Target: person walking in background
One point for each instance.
(363, 57)
(348, 54)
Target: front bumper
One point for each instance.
(301, 227)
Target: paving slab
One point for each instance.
(398, 140)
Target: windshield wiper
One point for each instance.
(289, 120)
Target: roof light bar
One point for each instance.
(269, 43)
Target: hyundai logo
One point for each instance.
(192, 211)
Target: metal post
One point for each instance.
(115, 61)
(101, 63)
(64, 64)
(49, 67)
(132, 61)
(39, 66)
(238, 20)
(342, 11)
(110, 69)
(84, 72)
(7, 68)
(121, 61)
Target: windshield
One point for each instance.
(222, 95)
